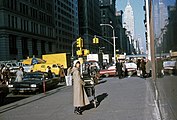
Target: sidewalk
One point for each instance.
(120, 99)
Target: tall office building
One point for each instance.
(161, 20)
(108, 16)
(163, 14)
(122, 42)
(66, 24)
(128, 19)
(160, 16)
(128, 24)
(89, 22)
(156, 18)
(26, 28)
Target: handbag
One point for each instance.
(68, 79)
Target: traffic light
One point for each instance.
(80, 42)
(86, 52)
(95, 40)
(79, 52)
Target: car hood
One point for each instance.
(30, 81)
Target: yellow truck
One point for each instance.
(55, 68)
(58, 58)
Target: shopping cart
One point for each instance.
(90, 91)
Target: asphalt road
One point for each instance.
(119, 99)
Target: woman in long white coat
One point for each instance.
(19, 75)
(80, 97)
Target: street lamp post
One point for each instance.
(114, 39)
(73, 48)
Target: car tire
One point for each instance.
(107, 75)
(14, 93)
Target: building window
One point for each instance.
(43, 47)
(25, 51)
(27, 25)
(21, 24)
(49, 7)
(42, 30)
(50, 46)
(34, 47)
(32, 27)
(12, 4)
(50, 32)
(34, 12)
(16, 22)
(12, 21)
(24, 8)
(8, 20)
(36, 28)
(12, 44)
(103, 13)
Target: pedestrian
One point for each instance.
(119, 68)
(19, 75)
(143, 67)
(62, 73)
(1, 72)
(68, 77)
(6, 74)
(69, 71)
(49, 72)
(125, 73)
(148, 68)
(80, 98)
(159, 67)
(138, 64)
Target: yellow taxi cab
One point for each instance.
(55, 68)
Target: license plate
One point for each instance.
(23, 89)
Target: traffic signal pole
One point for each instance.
(73, 47)
(114, 39)
(104, 39)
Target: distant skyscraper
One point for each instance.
(128, 19)
(160, 16)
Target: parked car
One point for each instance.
(169, 67)
(131, 68)
(27, 68)
(3, 92)
(12, 66)
(110, 71)
(33, 82)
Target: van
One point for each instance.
(55, 68)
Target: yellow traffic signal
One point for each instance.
(95, 40)
(117, 55)
(80, 42)
(79, 52)
(86, 52)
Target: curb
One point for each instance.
(28, 100)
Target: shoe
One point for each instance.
(75, 109)
(78, 111)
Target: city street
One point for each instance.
(119, 99)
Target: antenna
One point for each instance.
(128, 2)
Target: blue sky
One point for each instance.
(137, 6)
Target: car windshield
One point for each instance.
(36, 76)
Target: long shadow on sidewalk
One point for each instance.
(101, 82)
(99, 99)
